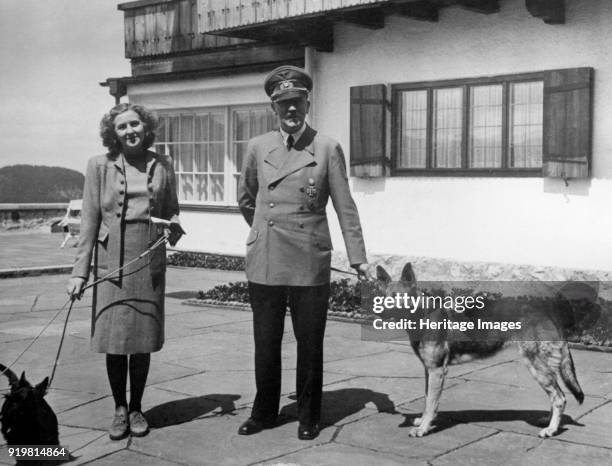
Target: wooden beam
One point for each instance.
(371, 18)
(316, 32)
(551, 11)
(423, 9)
(481, 6)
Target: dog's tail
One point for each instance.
(12, 377)
(568, 374)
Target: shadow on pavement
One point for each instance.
(340, 404)
(188, 409)
(447, 419)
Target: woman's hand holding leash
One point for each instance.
(174, 233)
(172, 230)
(75, 287)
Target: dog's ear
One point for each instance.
(382, 275)
(407, 274)
(41, 388)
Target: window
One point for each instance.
(471, 126)
(208, 146)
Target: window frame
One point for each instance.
(465, 84)
(230, 203)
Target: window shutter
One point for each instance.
(368, 132)
(567, 123)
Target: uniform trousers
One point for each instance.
(308, 307)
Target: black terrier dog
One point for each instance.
(26, 418)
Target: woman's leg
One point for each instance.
(139, 370)
(117, 368)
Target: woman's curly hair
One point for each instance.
(107, 126)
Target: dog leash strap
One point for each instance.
(149, 250)
(344, 271)
(61, 343)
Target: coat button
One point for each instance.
(301, 190)
(301, 225)
(272, 204)
(121, 192)
(271, 223)
(120, 203)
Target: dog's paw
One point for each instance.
(417, 421)
(548, 432)
(417, 432)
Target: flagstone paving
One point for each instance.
(201, 388)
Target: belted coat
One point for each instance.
(104, 207)
(283, 196)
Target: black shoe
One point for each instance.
(308, 431)
(252, 426)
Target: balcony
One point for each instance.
(311, 21)
(176, 27)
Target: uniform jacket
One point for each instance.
(289, 242)
(104, 203)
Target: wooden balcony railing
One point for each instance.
(218, 15)
(165, 27)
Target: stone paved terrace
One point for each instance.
(201, 387)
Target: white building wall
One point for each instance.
(514, 220)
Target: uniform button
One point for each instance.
(118, 214)
(271, 204)
(122, 182)
(272, 187)
(271, 223)
(120, 203)
(121, 192)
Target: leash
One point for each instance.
(71, 300)
(344, 271)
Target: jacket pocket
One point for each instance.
(322, 243)
(102, 234)
(253, 235)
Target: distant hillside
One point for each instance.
(27, 183)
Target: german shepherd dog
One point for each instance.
(547, 361)
(25, 417)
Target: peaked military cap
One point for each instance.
(287, 82)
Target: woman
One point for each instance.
(123, 190)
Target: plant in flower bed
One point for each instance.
(206, 261)
(586, 322)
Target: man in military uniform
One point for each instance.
(287, 178)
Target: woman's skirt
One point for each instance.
(128, 310)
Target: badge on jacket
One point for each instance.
(311, 192)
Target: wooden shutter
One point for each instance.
(368, 132)
(567, 123)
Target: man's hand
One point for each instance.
(75, 287)
(363, 272)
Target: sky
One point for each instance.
(53, 55)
